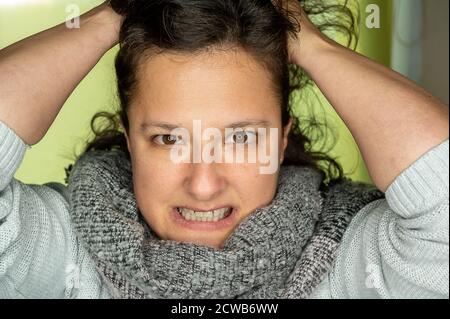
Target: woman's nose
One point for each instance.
(204, 182)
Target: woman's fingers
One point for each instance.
(301, 42)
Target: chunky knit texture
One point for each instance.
(257, 259)
(393, 248)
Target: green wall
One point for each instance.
(376, 43)
(45, 161)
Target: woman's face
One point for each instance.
(200, 201)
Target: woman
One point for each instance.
(135, 223)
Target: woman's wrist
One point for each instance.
(105, 23)
(308, 43)
(309, 48)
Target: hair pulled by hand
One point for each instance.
(125, 7)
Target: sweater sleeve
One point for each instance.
(398, 247)
(40, 256)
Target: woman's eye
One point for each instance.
(168, 139)
(242, 137)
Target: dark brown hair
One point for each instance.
(257, 26)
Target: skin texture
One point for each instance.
(217, 88)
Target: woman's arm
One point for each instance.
(39, 73)
(40, 256)
(393, 120)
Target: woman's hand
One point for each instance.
(107, 21)
(308, 39)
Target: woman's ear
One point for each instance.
(285, 141)
(126, 136)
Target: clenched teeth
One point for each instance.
(210, 216)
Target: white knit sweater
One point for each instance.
(393, 248)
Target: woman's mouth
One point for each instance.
(216, 219)
(205, 216)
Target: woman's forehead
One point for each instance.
(227, 85)
(167, 73)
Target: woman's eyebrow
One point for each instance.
(245, 123)
(169, 127)
(166, 126)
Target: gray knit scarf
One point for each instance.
(283, 250)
